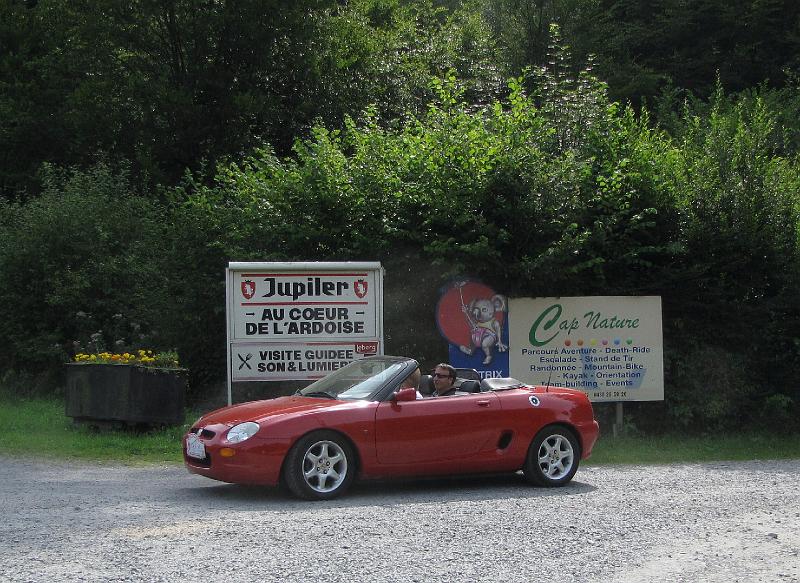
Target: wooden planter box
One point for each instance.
(121, 393)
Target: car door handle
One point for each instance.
(483, 403)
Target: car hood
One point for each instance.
(270, 409)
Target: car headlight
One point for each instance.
(241, 432)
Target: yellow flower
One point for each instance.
(141, 357)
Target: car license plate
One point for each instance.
(195, 447)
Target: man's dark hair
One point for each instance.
(448, 368)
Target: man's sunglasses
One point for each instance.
(436, 375)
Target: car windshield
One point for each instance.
(357, 380)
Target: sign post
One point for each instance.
(301, 320)
(618, 422)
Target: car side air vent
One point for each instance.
(505, 440)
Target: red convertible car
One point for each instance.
(363, 421)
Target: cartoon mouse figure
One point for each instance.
(485, 330)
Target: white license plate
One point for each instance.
(195, 447)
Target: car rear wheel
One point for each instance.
(553, 457)
(320, 466)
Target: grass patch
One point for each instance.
(39, 428)
(680, 448)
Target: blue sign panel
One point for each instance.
(474, 321)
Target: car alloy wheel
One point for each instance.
(324, 466)
(553, 457)
(320, 466)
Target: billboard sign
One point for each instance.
(301, 320)
(472, 317)
(610, 347)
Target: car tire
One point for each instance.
(320, 466)
(553, 457)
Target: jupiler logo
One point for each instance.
(248, 289)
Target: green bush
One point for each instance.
(80, 269)
(552, 191)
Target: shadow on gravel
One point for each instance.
(382, 492)
(461, 488)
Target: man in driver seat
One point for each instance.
(444, 376)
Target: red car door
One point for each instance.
(435, 429)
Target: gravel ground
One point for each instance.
(696, 522)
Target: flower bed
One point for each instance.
(129, 389)
(140, 357)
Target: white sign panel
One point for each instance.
(610, 347)
(299, 321)
(253, 361)
(305, 305)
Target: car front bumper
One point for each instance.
(257, 460)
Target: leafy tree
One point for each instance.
(169, 84)
(551, 188)
(645, 46)
(522, 28)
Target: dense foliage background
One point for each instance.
(573, 147)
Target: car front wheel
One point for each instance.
(553, 457)
(320, 466)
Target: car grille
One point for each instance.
(207, 433)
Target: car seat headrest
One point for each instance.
(426, 385)
(470, 386)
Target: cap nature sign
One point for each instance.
(610, 347)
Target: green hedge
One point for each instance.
(556, 191)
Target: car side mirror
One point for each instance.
(405, 394)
